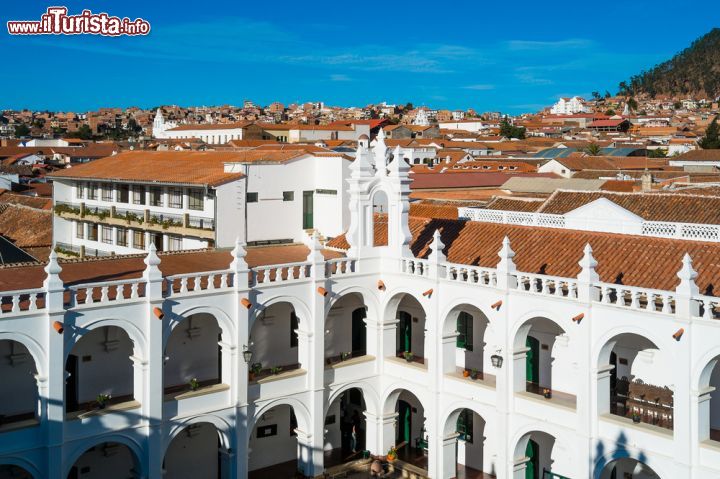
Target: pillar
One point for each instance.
(379, 432)
(447, 448)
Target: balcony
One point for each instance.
(184, 225)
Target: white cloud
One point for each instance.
(480, 87)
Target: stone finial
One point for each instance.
(687, 275)
(53, 270)
(506, 254)
(587, 266)
(398, 166)
(362, 165)
(152, 261)
(437, 247)
(380, 151)
(381, 135)
(238, 254)
(315, 255)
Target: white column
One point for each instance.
(447, 448)
(519, 369)
(379, 432)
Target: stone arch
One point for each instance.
(23, 463)
(137, 337)
(301, 310)
(301, 412)
(222, 427)
(538, 432)
(392, 394)
(471, 341)
(223, 320)
(465, 446)
(534, 354)
(370, 396)
(454, 410)
(368, 297)
(131, 443)
(33, 347)
(409, 335)
(605, 344)
(521, 329)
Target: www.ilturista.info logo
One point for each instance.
(56, 21)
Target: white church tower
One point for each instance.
(421, 118)
(160, 126)
(379, 184)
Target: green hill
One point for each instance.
(693, 72)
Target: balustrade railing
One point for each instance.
(197, 282)
(547, 285)
(470, 274)
(416, 267)
(99, 293)
(280, 273)
(637, 298)
(341, 266)
(12, 302)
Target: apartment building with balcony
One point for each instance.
(121, 204)
(468, 348)
(193, 200)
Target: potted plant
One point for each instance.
(466, 373)
(194, 384)
(547, 393)
(408, 356)
(392, 454)
(255, 370)
(636, 418)
(102, 400)
(473, 374)
(344, 356)
(275, 370)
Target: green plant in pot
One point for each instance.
(276, 370)
(409, 356)
(345, 356)
(474, 374)
(194, 384)
(102, 400)
(255, 369)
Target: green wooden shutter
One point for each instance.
(461, 329)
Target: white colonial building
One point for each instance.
(477, 349)
(569, 106)
(191, 200)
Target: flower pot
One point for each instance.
(251, 376)
(636, 419)
(547, 394)
(102, 405)
(474, 377)
(466, 373)
(391, 458)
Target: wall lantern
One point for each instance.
(247, 354)
(496, 360)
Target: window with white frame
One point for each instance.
(196, 200)
(138, 239)
(107, 234)
(80, 230)
(176, 198)
(79, 190)
(174, 243)
(138, 196)
(156, 196)
(92, 232)
(92, 191)
(107, 192)
(121, 239)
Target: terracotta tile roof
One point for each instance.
(698, 155)
(579, 162)
(620, 186)
(111, 269)
(42, 203)
(212, 126)
(430, 209)
(514, 204)
(623, 259)
(25, 226)
(181, 167)
(681, 208)
(467, 179)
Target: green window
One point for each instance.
(465, 426)
(465, 331)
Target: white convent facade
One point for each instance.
(226, 373)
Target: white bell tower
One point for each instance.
(377, 171)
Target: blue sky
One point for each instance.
(492, 56)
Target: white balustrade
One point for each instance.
(547, 285)
(180, 284)
(470, 274)
(105, 292)
(637, 298)
(414, 266)
(281, 273)
(341, 266)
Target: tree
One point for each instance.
(21, 130)
(511, 131)
(632, 104)
(84, 132)
(677, 105)
(596, 95)
(711, 140)
(607, 94)
(593, 149)
(610, 112)
(657, 153)
(409, 106)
